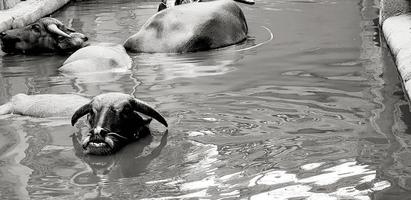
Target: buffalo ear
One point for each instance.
(36, 28)
(143, 107)
(145, 121)
(83, 110)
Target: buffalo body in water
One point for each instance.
(43, 105)
(114, 118)
(191, 27)
(101, 57)
(44, 36)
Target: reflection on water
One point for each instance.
(315, 113)
(171, 66)
(361, 178)
(129, 163)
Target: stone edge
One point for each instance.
(27, 12)
(397, 33)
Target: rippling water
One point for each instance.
(316, 113)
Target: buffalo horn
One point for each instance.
(251, 2)
(83, 110)
(143, 107)
(54, 29)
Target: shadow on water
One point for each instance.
(129, 162)
(192, 65)
(395, 165)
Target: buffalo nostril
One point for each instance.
(103, 133)
(99, 132)
(2, 34)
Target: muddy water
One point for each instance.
(315, 113)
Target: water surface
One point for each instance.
(316, 113)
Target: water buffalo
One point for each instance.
(103, 57)
(43, 105)
(113, 117)
(170, 3)
(115, 121)
(45, 35)
(191, 27)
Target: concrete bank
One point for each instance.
(397, 32)
(6, 4)
(395, 20)
(27, 12)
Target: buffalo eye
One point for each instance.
(91, 117)
(112, 109)
(35, 28)
(125, 113)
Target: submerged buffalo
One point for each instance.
(191, 27)
(45, 35)
(114, 118)
(103, 57)
(43, 105)
(115, 121)
(170, 3)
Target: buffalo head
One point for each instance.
(170, 3)
(45, 35)
(114, 121)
